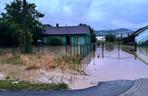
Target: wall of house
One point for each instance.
(74, 40)
(80, 40)
(61, 38)
(142, 37)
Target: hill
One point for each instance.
(114, 32)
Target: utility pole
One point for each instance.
(24, 28)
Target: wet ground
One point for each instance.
(112, 64)
(116, 65)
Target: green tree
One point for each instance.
(9, 33)
(14, 16)
(93, 35)
(110, 38)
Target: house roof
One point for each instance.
(72, 30)
(140, 30)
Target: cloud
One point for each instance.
(100, 14)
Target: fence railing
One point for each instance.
(82, 50)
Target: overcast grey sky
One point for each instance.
(100, 14)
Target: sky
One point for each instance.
(99, 14)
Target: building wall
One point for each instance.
(142, 37)
(80, 40)
(61, 38)
(74, 39)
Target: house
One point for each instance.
(139, 37)
(67, 35)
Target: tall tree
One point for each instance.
(9, 33)
(14, 13)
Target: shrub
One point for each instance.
(110, 38)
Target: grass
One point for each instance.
(24, 67)
(12, 60)
(8, 85)
(44, 61)
(69, 62)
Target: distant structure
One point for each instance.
(140, 37)
(119, 33)
(68, 35)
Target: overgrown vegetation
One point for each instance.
(110, 38)
(12, 60)
(69, 62)
(45, 60)
(12, 21)
(9, 85)
(93, 35)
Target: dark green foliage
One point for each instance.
(145, 43)
(93, 36)
(53, 41)
(11, 24)
(9, 33)
(8, 85)
(28, 43)
(110, 38)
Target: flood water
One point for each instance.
(118, 64)
(142, 54)
(110, 63)
(105, 64)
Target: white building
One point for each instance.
(100, 38)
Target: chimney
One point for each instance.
(57, 25)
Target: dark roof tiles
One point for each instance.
(67, 30)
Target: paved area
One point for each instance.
(140, 88)
(111, 88)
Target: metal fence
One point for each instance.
(82, 50)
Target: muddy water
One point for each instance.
(111, 67)
(142, 54)
(112, 64)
